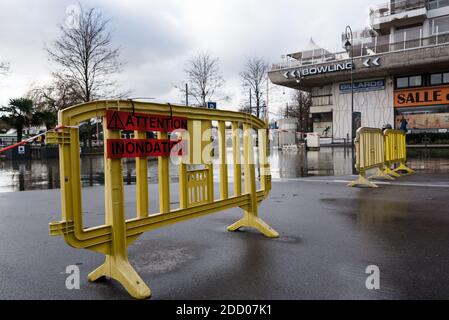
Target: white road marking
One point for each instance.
(423, 185)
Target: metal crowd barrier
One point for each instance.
(196, 185)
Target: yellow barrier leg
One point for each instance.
(116, 265)
(121, 270)
(250, 218)
(391, 173)
(362, 181)
(403, 168)
(381, 175)
(252, 221)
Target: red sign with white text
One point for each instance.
(139, 148)
(128, 121)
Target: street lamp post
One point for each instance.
(300, 108)
(349, 46)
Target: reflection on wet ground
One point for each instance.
(44, 174)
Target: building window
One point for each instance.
(408, 33)
(439, 78)
(435, 4)
(409, 82)
(402, 82)
(446, 77)
(440, 25)
(415, 81)
(436, 79)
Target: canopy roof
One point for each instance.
(311, 50)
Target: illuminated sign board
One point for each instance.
(128, 121)
(139, 148)
(363, 86)
(429, 96)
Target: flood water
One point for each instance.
(44, 174)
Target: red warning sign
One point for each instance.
(138, 148)
(128, 121)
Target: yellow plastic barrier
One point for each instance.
(370, 154)
(395, 152)
(196, 186)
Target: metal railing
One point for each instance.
(309, 61)
(395, 7)
(436, 4)
(373, 46)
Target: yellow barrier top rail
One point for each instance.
(79, 113)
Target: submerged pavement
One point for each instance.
(329, 235)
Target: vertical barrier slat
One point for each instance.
(223, 164)
(142, 202)
(203, 187)
(206, 133)
(185, 159)
(195, 189)
(237, 159)
(66, 180)
(250, 173)
(164, 179)
(76, 183)
(115, 208)
(183, 186)
(263, 160)
(189, 187)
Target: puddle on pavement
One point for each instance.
(159, 260)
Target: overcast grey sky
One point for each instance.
(158, 36)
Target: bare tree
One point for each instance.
(85, 56)
(299, 109)
(86, 59)
(204, 79)
(55, 96)
(254, 82)
(50, 98)
(244, 107)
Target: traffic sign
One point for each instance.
(138, 148)
(117, 120)
(212, 105)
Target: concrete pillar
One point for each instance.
(392, 39)
(427, 29)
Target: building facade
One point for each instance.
(397, 69)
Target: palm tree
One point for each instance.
(47, 118)
(19, 114)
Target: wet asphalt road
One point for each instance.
(329, 235)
